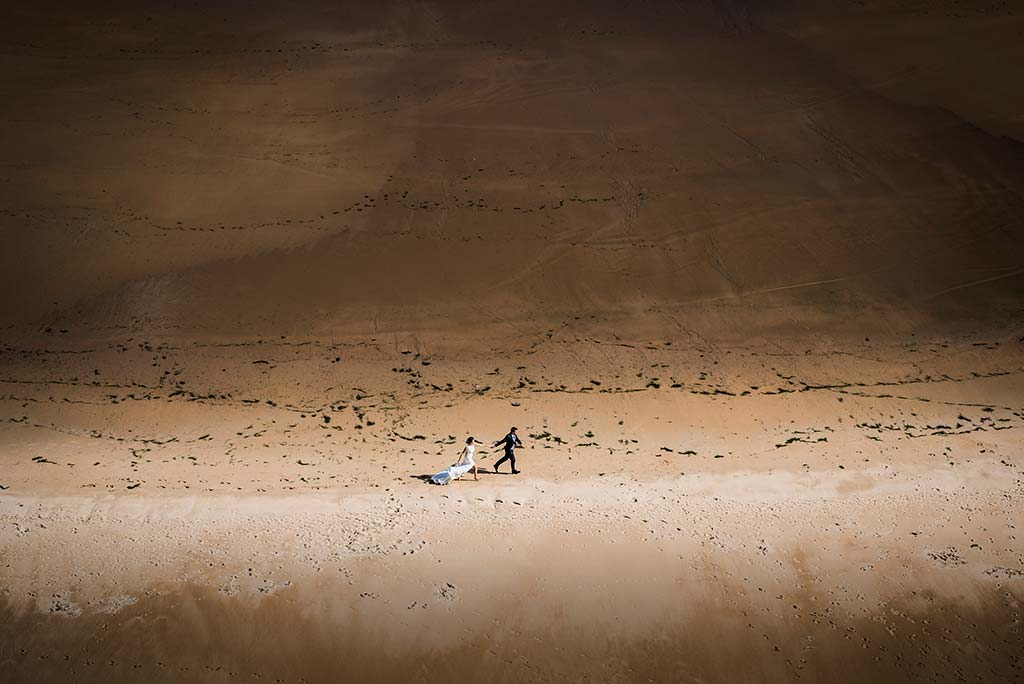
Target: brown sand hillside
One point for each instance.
(264, 167)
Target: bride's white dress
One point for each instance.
(454, 472)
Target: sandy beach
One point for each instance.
(747, 278)
(695, 516)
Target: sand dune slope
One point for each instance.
(268, 167)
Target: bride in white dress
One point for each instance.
(460, 467)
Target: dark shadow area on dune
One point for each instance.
(690, 156)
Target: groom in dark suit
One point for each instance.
(510, 442)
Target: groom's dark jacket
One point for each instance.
(510, 442)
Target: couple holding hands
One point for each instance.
(466, 462)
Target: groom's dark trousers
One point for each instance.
(510, 455)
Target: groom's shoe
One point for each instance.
(515, 472)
